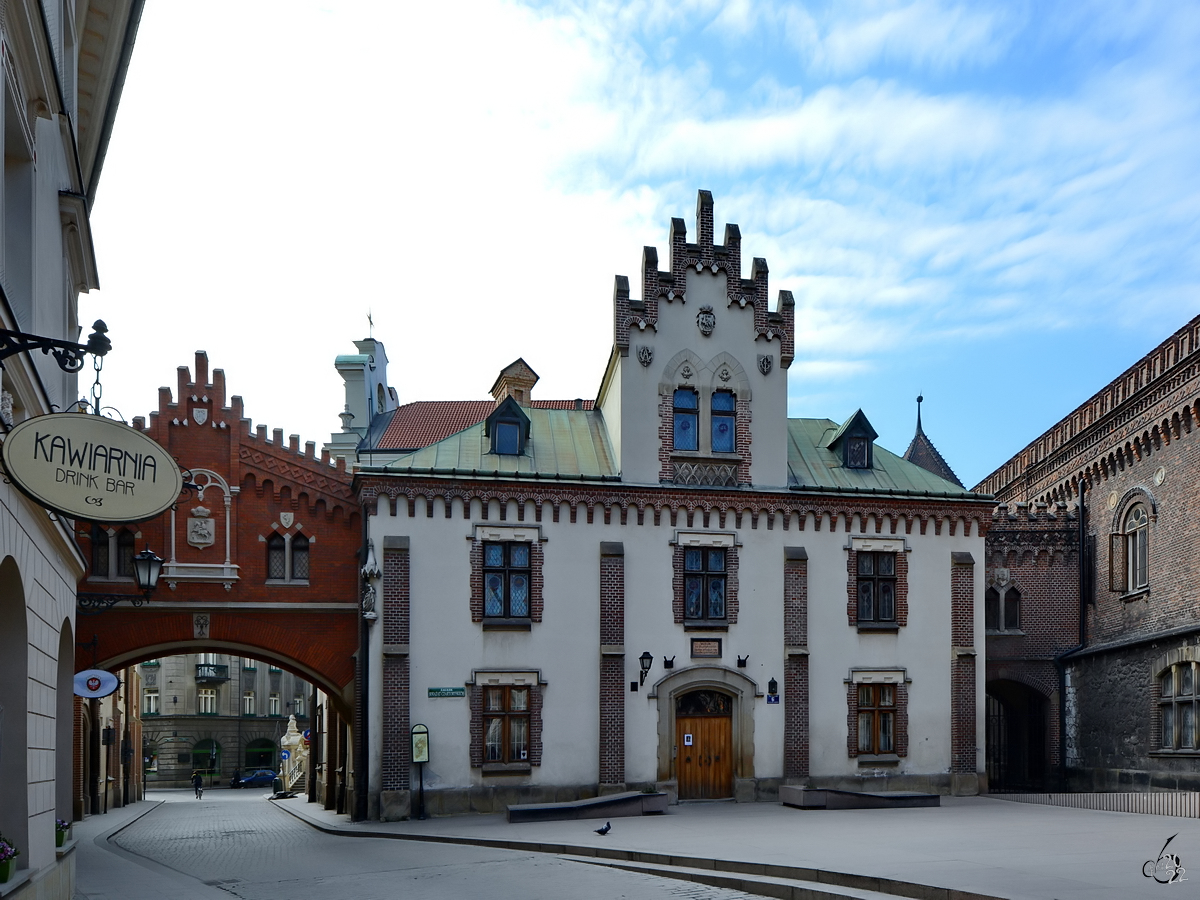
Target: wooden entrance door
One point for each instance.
(704, 750)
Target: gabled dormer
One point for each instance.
(854, 442)
(508, 428)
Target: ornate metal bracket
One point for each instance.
(94, 603)
(68, 355)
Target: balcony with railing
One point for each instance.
(211, 673)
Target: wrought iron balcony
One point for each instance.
(211, 672)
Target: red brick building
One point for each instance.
(1092, 657)
(261, 563)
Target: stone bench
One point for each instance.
(610, 806)
(825, 798)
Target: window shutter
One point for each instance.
(1118, 567)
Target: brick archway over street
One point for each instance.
(261, 554)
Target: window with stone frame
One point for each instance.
(506, 577)
(506, 722)
(1002, 608)
(705, 580)
(248, 703)
(112, 553)
(877, 718)
(125, 551)
(150, 702)
(877, 713)
(1129, 552)
(273, 707)
(276, 558)
(877, 586)
(299, 562)
(1178, 698)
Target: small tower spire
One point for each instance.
(920, 400)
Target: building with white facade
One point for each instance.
(671, 585)
(64, 67)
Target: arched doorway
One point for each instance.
(709, 693)
(1016, 738)
(15, 672)
(260, 754)
(704, 744)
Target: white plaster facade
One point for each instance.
(64, 63)
(626, 499)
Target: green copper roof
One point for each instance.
(812, 465)
(563, 443)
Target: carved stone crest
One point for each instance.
(199, 415)
(200, 626)
(765, 361)
(707, 320)
(645, 354)
(725, 374)
(686, 372)
(200, 531)
(286, 519)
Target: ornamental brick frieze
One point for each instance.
(681, 508)
(268, 464)
(1000, 536)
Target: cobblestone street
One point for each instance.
(236, 843)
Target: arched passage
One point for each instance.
(1017, 751)
(64, 724)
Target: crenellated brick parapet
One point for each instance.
(671, 285)
(1145, 408)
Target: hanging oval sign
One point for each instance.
(95, 683)
(89, 467)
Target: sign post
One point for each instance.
(420, 755)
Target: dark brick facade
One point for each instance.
(795, 672)
(1134, 441)
(397, 745)
(612, 664)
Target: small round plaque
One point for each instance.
(1112, 500)
(1160, 475)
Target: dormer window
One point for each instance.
(854, 442)
(508, 427)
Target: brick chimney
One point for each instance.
(515, 380)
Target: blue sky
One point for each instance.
(994, 204)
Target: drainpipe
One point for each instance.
(1059, 660)
(362, 763)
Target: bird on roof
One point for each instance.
(605, 830)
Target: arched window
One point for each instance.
(1002, 609)
(125, 548)
(299, 557)
(1137, 545)
(99, 552)
(276, 557)
(724, 422)
(687, 409)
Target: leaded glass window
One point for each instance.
(100, 552)
(876, 587)
(506, 580)
(1137, 540)
(687, 409)
(276, 557)
(704, 583)
(125, 548)
(299, 558)
(724, 430)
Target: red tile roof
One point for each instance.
(426, 422)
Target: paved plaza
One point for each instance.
(237, 843)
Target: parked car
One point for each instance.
(259, 778)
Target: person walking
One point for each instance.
(198, 784)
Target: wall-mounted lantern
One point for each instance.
(645, 661)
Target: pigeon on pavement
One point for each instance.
(603, 831)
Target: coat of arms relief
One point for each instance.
(200, 530)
